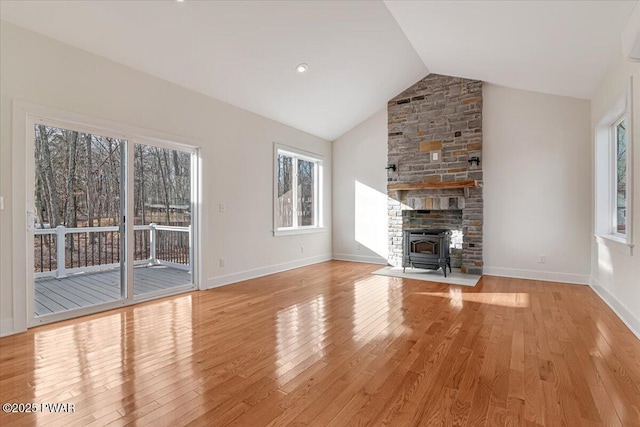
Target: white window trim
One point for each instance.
(318, 190)
(605, 176)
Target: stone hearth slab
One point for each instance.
(454, 278)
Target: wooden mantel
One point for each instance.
(434, 185)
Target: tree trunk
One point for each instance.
(142, 195)
(54, 212)
(164, 185)
(72, 144)
(113, 186)
(42, 202)
(90, 189)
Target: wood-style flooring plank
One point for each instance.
(330, 345)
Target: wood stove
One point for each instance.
(427, 248)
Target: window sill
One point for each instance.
(310, 230)
(614, 242)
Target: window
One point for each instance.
(613, 170)
(620, 176)
(298, 182)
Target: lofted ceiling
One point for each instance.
(556, 47)
(360, 53)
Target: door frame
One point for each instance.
(25, 116)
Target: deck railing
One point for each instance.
(61, 251)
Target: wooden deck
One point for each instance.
(83, 290)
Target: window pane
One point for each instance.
(284, 210)
(162, 186)
(621, 177)
(306, 186)
(77, 185)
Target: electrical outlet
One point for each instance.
(222, 207)
(435, 156)
(223, 262)
(301, 249)
(542, 259)
(1, 203)
(358, 246)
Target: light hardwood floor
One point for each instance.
(333, 345)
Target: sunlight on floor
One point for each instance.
(505, 299)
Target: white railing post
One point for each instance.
(60, 249)
(152, 241)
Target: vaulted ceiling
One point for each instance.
(360, 53)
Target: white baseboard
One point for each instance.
(627, 317)
(361, 258)
(547, 276)
(214, 282)
(6, 327)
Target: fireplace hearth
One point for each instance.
(427, 248)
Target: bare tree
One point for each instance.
(46, 172)
(71, 139)
(164, 183)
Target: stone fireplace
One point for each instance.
(435, 145)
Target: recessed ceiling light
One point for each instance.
(302, 68)
(180, 1)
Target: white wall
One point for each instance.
(360, 192)
(616, 273)
(537, 197)
(236, 145)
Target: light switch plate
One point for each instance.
(1, 203)
(435, 156)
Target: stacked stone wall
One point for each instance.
(435, 128)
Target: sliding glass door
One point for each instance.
(78, 232)
(88, 256)
(163, 238)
